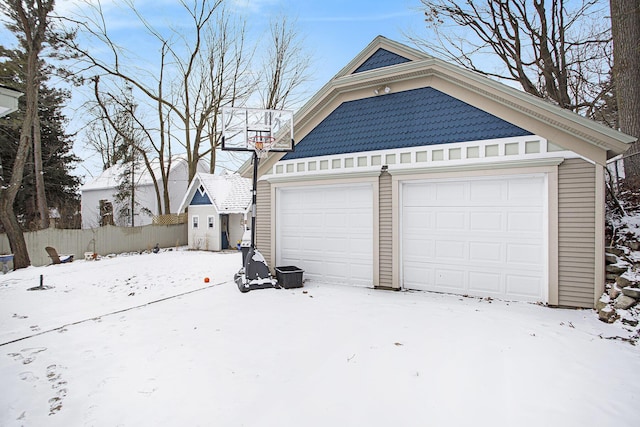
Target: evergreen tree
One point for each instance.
(58, 160)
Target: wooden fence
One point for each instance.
(103, 241)
(170, 219)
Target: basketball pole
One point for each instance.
(254, 199)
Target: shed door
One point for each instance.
(476, 236)
(327, 231)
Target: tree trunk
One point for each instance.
(8, 193)
(41, 198)
(14, 235)
(625, 28)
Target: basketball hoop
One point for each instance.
(261, 144)
(251, 129)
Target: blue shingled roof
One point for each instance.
(380, 58)
(412, 118)
(200, 199)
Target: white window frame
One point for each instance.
(195, 220)
(211, 221)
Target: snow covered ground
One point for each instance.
(109, 345)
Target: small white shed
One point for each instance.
(217, 208)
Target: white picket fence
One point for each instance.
(103, 241)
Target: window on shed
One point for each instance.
(194, 221)
(210, 221)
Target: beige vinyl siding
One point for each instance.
(263, 221)
(386, 231)
(576, 233)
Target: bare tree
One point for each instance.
(557, 50)
(285, 65)
(200, 71)
(131, 133)
(225, 79)
(625, 26)
(101, 135)
(176, 98)
(29, 20)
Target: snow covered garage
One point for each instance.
(412, 173)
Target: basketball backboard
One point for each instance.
(243, 127)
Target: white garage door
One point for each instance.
(327, 231)
(480, 237)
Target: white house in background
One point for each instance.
(101, 192)
(217, 207)
(8, 100)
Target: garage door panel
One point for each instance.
(485, 252)
(484, 238)
(311, 245)
(416, 275)
(450, 250)
(486, 221)
(419, 220)
(356, 197)
(450, 192)
(450, 220)
(291, 243)
(525, 254)
(334, 220)
(359, 271)
(527, 222)
(335, 236)
(524, 190)
(359, 250)
(416, 249)
(336, 270)
(449, 278)
(482, 282)
(310, 220)
(483, 192)
(525, 286)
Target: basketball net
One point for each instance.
(262, 145)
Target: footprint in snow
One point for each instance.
(54, 376)
(28, 376)
(27, 355)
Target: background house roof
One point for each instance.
(229, 193)
(111, 177)
(412, 118)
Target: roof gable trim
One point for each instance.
(381, 58)
(390, 46)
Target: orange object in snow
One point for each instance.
(206, 280)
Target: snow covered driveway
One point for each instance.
(320, 355)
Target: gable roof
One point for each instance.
(412, 118)
(111, 177)
(561, 127)
(228, 193)
(381, 58)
